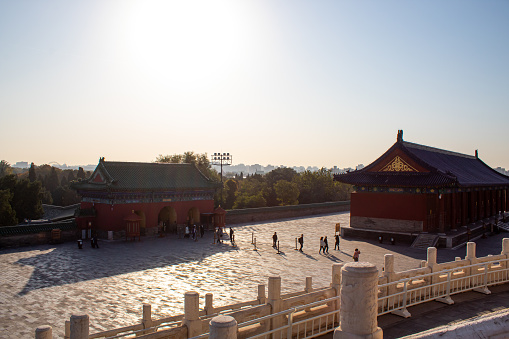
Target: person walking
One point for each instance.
(301, 242)
(232, 236)
(326, 245)
(356, 254)
(322, 245)
(274, 240)
(336, 244)
(202, 230)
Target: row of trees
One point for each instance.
(280, 187)
(22, 194)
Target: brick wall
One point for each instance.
(281, 212)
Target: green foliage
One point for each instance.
(31, 173)
(274, 176)
(231, 187)
(199, 160)
(5, 168)
(251, 193)
(52, 181)
(287, 192)
(7, 214)
(81, 173)
(26, 197)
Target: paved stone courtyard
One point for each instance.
(47, 284)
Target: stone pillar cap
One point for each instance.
(360, 267)
(223, 321)
(43, 328)
(79, 316)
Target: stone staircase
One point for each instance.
(425, 240)
(503, 226)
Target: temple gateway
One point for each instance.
(143, 198)
(413, 188)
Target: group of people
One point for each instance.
(220, 233)
(324, 244)
(193, 232)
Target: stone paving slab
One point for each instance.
(47, 284)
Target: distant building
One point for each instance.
(417, 188)
(21, 164)
(155, 194)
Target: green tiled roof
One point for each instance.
(125, 176)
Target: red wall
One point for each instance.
(112, 219)
(388, 206)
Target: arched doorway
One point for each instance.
(168, 219)
(143, 221)
(193, 216)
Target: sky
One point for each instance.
(281, 82)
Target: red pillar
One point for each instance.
(441, 213)
(493, 202)
(463, 208)
(480, 205)
(473, 207)
(453, 211)
(505, 199)
(486, 204)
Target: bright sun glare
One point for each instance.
(187, 43)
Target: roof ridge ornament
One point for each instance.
(400, 135)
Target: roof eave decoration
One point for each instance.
(398, 165)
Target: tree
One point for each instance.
(230, 188)
(52, 181)
(201, 161)
(26, 197)
(287, 192)
(7, 214)
(27, 200)
(31, 173)
(278, 174)
(70, 176)
(81, 173)
(5, 168)
(251, 193)
(315, 186)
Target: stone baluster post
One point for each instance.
(223, 327)
(505, 251)
(359, 302)
(44, 332)
(79, 326)
(336, 277)
(274, 299)
(262, 299)
(389, 274)
(336, 285)
(147, 317)
(472, 258)
(67, 330)
(209, 307)
(431, 262)
(309, 285)
(192, 313)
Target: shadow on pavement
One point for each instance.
(66, 264)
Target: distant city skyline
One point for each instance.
(290, 82)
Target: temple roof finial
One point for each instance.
(400, 135)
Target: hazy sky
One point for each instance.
(313, 83)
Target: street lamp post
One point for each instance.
(221, 159)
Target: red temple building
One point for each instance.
(121, 197)
(414, 188)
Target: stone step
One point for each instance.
(423, 241)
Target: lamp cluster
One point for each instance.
(219, 156)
